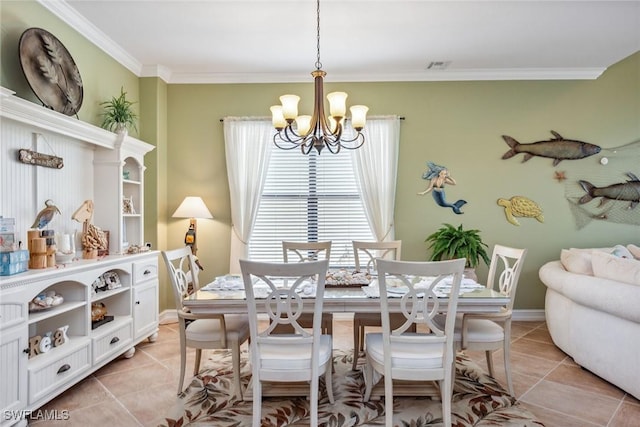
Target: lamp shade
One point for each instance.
(192, 207)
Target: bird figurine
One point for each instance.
(45, 215)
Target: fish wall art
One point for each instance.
(556, 148)
(628, 191)
(438, 176)
(606, 190)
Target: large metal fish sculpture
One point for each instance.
(625, 191)
(557, 148)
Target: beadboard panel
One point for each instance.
(26, 187)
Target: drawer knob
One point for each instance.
(114, 340)
(137, 302)
(64, 368)
(147, 272)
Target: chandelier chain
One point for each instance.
(318, 63)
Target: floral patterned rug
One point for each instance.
(478, 400)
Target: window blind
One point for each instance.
(309, 198)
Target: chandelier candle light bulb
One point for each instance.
(317, 130)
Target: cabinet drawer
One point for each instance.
(47, 378)
(145, 270)
(115, 340)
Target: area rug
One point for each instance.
(478, 400)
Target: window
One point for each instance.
(309, 198)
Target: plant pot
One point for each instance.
(470, 273)
(89, 253)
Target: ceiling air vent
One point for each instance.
(438, 65)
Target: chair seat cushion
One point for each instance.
(237, 326)
(294, 356)
(480, 330)
(406, 355)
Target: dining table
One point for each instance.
(341, 299)
(229, 298)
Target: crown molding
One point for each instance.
(420, 76)
(89, 31)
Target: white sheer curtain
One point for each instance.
(376, 166)
(247, 144)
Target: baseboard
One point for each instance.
(525, 315)
(530, 315)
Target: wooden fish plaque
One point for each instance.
(31, 157)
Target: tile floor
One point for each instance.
(138, 391)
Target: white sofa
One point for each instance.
(595, 318)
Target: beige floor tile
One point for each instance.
(572, 401)
(124, 382)
(538, 349)
(630, 399)
(539, 334)
(148, 403)
(82, 395)
(578, 377)
(551, 418)
(137, 361)
(628, 415)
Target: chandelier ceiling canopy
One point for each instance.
(318, 130)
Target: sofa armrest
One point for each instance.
(616, 298)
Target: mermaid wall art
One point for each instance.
(438, 176)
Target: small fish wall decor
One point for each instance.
(438, 176)
(520, 206)
(556, 148)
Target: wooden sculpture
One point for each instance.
(93, 238)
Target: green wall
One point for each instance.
(457, 124)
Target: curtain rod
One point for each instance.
(269, 118)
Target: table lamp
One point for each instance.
(192, 207)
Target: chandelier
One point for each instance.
(317, 130)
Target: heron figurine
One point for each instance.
(45, 215)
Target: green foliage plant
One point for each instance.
(118, 113)
(449, 242)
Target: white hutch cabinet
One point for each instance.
(100, 166)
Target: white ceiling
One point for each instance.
(242, 41)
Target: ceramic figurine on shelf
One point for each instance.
(439, 176)
(45, 216)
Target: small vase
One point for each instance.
(121, 129)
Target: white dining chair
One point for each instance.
(370, 251)
(303, 252)
(398, 354)
(302, 356)
(492, 331)
(215, 331)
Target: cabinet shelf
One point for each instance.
(37, 316)
(102, 295)
(130, 181)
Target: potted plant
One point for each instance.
(118, 115)
(449, 242)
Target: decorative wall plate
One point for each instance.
(51, 71)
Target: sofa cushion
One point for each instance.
(611, 267)
(577, 261)
(635, 250)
